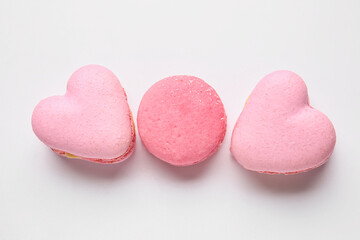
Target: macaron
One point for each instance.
(278, 132)
(92, 121)
(181, 120)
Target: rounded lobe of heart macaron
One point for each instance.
(278, 132)
(92, 120)
(181, 120)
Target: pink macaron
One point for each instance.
(92, 121)
(181, 120)
(278, 131)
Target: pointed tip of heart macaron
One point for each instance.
(278, 132)
(92, 121)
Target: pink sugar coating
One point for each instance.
(92, 120)
(278, 131)
(181, 120)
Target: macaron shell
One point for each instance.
(278, 131)
(181, 120)
(92, 120)
(121, 158)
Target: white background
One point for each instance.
(231, 45)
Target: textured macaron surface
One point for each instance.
(181, 120)
(278, 131)
(92, 120)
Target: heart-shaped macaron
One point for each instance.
(92, 121)
(278, 131)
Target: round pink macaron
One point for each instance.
(181, 120)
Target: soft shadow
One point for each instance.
(184, 173)
(97, 170)
(293, 183)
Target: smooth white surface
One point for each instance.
(231, 45)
